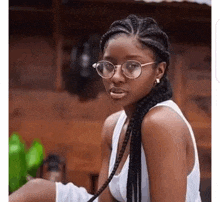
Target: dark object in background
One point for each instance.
(94, 182)
(205, 190)
(54, 169)
(81, 77)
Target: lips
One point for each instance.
(117, 93)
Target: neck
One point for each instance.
(129, 110)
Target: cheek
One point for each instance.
(148, 79)
(143, 87)
(105, 83)
(141, 90)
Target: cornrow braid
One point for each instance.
(121, 24)
(117, 161)
(148, 33)
(135, 23)
(116, 28)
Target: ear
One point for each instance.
(161, 67)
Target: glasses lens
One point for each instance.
(105, 69)
(132, 69)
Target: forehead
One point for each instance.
(123, 46)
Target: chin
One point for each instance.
(123, 103)
(119, 101)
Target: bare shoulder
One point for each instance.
(111, 121)
(164, 123)
(109, 126)
(164, 141)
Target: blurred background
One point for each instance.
(56, 96)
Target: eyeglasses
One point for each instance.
(131, 69)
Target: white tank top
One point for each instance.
(118, 184)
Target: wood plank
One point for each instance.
(84, 157)
(198, 83)
(58, 43)
(178, 82)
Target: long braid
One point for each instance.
(118, 160)
(160, 93)
(149, 35)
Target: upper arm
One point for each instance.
(34, 191)
(165, 150)
(107, 133)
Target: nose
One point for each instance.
(118, 76)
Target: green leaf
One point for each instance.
(17, 162)
(34, 157)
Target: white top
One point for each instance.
(119, 182)
(72, 193)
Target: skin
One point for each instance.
(167, 142)
(35, 190)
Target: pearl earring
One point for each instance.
(157, 80)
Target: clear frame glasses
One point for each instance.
(131, 68)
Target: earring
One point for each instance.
(157, 81)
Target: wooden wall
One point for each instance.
(191, 75)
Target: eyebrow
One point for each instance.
(133, 57)
(108, 58)
(127, 57)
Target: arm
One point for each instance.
(106, 152)
(40, 190)
(165, 149)
(36, 190)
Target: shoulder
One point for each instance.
(109, 125)
(111, 121)
(164, 142)
(164, 124)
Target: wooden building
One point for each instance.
(42, 35)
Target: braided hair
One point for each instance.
(148, 33)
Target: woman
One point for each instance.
(148, 149)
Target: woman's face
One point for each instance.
(122, 90)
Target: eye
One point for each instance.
(130, 66)
(108, 66)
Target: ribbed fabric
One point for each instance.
(119, 182)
